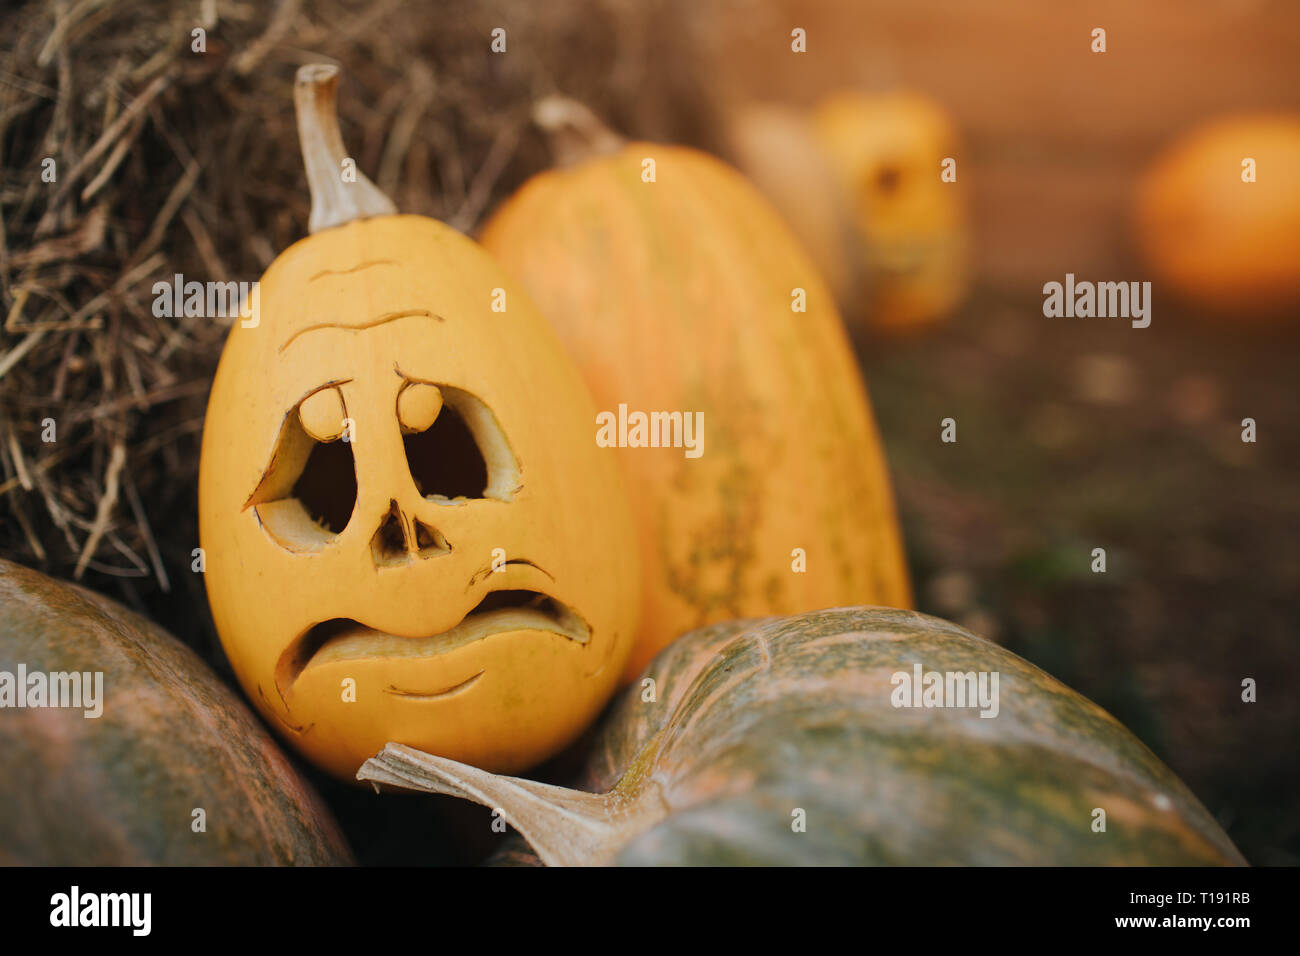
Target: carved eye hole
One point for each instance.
(305, 498)
(888, 179)
(454, 446)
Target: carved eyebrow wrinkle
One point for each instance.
(386, 317)
(356, 268)
(332, 383)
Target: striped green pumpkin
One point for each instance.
(754, 721)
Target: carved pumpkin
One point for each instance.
(679, 295)
(410, 533)
(781, 742)
(887, 152)
(1215, 239)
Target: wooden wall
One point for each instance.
(1056, 134)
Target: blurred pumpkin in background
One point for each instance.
(678, 290)
(1217, 239)
(887, 151)
(410, 533)
(775, 148)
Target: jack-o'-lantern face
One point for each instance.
(887, 152)
(409, 531)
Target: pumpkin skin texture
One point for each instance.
(886, 151)
(755, 719)
(1218, 242)
(676, 295)
(386, 323)
(120, 789)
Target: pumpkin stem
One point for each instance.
(565, 827)
(334, 199)
(574, 131)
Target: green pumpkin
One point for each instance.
(122, 788)
(777, 741)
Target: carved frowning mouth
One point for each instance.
(344, 639)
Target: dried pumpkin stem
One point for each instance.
(565, 827)
(339, 193)
(574, 131)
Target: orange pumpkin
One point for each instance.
(1214, 238)
(676, 288)
(410, 533)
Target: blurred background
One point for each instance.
(1073, 433)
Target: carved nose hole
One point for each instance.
(389, 544)
(429, 540)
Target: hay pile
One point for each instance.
(168, 160)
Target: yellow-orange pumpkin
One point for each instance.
(887, 152)
(410, 533)
(679, 295)
(1214, 238)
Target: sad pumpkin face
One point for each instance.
(409, 532)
